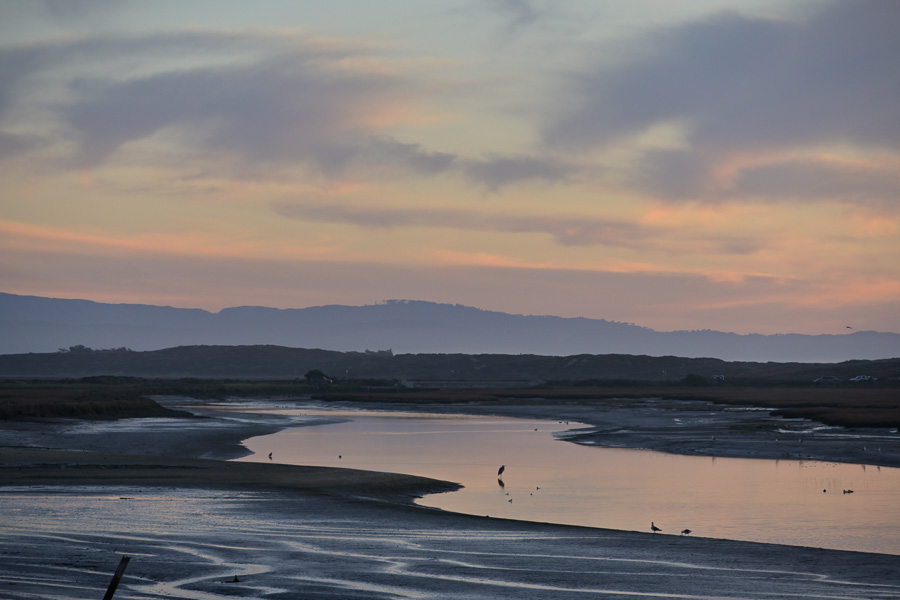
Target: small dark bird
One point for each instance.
(685, 532)
(500, 472)
(848, 491)
(270, 456)
(654, 528)
(848, 327)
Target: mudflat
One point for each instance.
(198, 526)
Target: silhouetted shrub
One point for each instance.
(695, 380)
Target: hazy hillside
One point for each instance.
(34, 324)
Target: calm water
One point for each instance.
(550, 480)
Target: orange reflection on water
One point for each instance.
(550, 480)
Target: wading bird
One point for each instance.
(654, 528)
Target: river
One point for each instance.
(546, 479)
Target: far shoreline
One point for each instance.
(740, 431)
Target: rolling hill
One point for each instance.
(42, 325)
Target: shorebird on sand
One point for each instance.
(685, 531)
(654, 528)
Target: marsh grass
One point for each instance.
(80, 402)
(110, 398)
(861, 407)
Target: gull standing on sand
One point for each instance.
(654, 528)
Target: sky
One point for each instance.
(714, 164)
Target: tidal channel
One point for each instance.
(547, 479)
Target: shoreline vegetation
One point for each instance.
(279, 363)
(130, 397)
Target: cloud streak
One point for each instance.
(811, 179)
(566, 231)
(571, 231)
(496, 172)
(744, 82)
(659, 300)
(293, 107)
(740, 85)
(253, 100)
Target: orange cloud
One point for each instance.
(24, 237)
(620, 266)
(820, 296)
(874, 226)
(485, 259)
(86, 178)
(670, 216)
(856, 290)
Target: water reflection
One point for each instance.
(549, 480)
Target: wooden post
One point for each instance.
(115, 580)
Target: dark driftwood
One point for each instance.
(115, 580)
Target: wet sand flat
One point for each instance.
(192, 525)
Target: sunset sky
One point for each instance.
(720, 164)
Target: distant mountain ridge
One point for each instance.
(37, 324)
